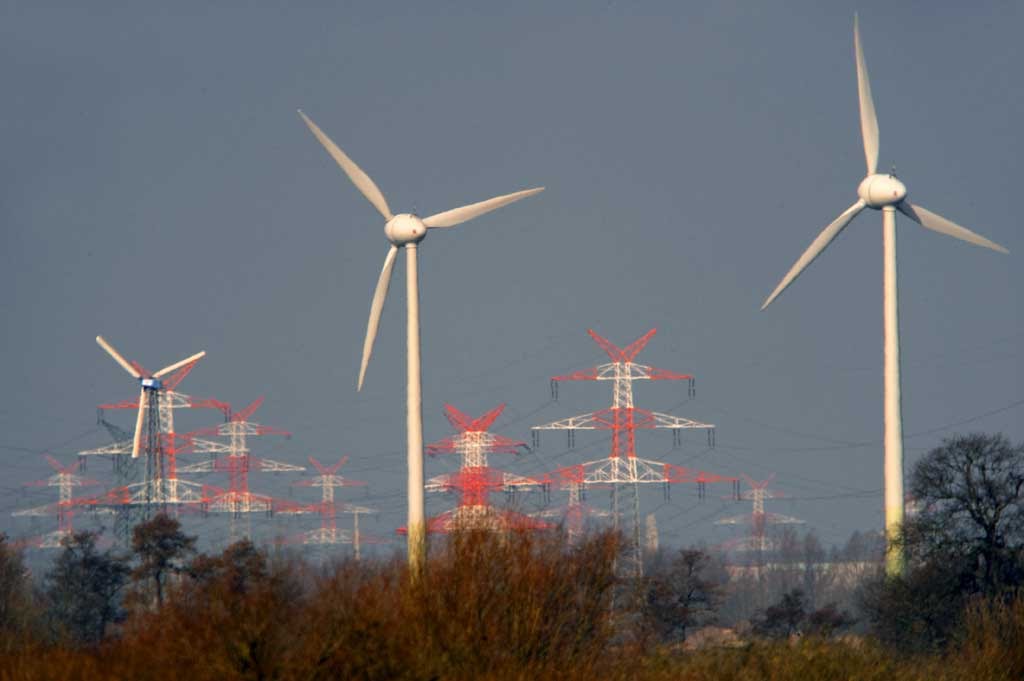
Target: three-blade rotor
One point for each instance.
(876, 191)
(407, 229)
(146, 381)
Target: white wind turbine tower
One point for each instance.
(886, 193)
(406, 230)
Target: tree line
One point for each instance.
(527, 604)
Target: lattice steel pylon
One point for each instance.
(575, 512)
(328, 532)
(168, 492)
(475, 480)
(622, 466)
(474, 442)
(65, 478)
(237, 462)
(474, 511)
(758, 519)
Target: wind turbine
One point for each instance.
(406, 230)
(150, 383)
(886, 193)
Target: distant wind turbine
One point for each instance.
(406, 230)
(888, 194)
(150, 384)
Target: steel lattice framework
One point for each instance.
(474, 442)
(328, 533)
(474, 512)
(475, 481)
(237, 462)
(164, 490)
(65, 479)
(155, 435)
(622, 466)
(758, 519)
(575, 513)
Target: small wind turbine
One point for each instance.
(150, 383)
(888, 194)
(406, 230)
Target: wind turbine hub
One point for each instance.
(881, 190)
(151, 383)
(404, 229)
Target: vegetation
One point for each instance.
(532, 605)
(82, 590)
(965, 542)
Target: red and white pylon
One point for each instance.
(167, 491)
(237, 462)
(65, 479)
(758, 519)
(622, 466)
(575, 513)
(473, 443)
(328, 533)
(475, 481)
(474, 511)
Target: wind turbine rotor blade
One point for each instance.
(117, 357)
(383, 282)
(138, 424)
(868, 119)
(937, 223)
(360, 179)
(815, 249)
(177, 365)
(452, 217)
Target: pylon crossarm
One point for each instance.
(624, 470)
(202, 446)
(200, 467)
(628, 371)
(175, 400)
(668, 421)
(162, 491)
(283, 507)
(512, 481)
(590, 421)
(439, 483)
(48, 509)
(242, 428)
(235, 502)
(114, 449)
(269, 465)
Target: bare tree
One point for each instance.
(970, 491)
(966, 540)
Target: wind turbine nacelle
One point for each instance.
(881, 190)
(151, 383)
(404, 229)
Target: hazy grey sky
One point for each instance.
(158, 188)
